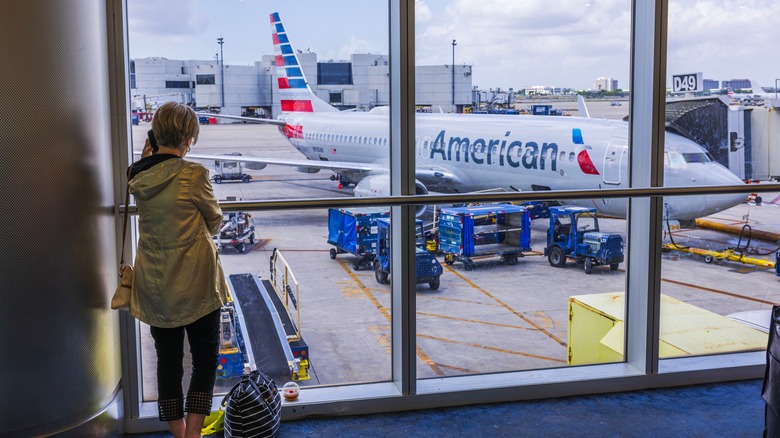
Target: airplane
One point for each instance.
(461, 153)
(757, 97)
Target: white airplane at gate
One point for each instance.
(459, 153)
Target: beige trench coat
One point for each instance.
(178, 274)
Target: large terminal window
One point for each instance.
(334, 73)
(553, 240)
(523, 285)
(716, 265)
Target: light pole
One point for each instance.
(453, 73)
(776, 80)
(221, 41)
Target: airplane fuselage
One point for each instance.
(465, 152)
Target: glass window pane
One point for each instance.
(717, 283)
(522, 286)
(268, 71)
(281, 73)
(507, 117)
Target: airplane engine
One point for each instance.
(379, 185)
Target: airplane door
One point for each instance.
(616, 152)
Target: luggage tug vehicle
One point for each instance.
(427, 268)
(574, 234)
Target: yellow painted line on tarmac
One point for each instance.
(432, 297)
(508, 307)
(487, 347)
(722, 292)
(428, 361)
(386, 313)
(475, 321)
(458, 300)
(462, 370)
(382, 309)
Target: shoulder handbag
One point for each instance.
(121, 298)
(253, 408)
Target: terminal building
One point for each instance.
(361, 83)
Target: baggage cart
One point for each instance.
(354, 231)
(469, 233)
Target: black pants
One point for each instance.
(203, 336)
(771, 423)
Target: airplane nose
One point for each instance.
(717, 203)
(721, 176)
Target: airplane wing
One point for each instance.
(303, 165)
(245, 119)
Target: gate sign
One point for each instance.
(687, 83)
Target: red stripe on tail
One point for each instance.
(299, 106)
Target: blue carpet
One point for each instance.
(733, 409)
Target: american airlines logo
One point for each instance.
(504, 152)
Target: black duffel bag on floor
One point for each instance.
(253, 408)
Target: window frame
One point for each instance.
(642, 367)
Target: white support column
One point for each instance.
(402, 172)
(646, 133)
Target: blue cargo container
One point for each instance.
(466, 233)
(354, 231)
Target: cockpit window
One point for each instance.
(676, 159)
(699, 157)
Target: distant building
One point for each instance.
(710, 84)
(605, 84)
(738, 84)
(541, 90)
(363, 82)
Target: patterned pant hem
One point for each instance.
(198, 402)
(170, 409)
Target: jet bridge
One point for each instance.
(726, 134)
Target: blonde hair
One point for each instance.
(174, 124)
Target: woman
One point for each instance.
(179, 285)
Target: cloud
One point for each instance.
(422, 13)
(168, 19)
(355, 45)
(513, 43)
(724, 39)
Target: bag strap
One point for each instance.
(246, 378)
(233, 389)
(124, 226)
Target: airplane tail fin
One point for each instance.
(582, 109)
(756, 89)
(294, 92)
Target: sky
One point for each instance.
(509, 43)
